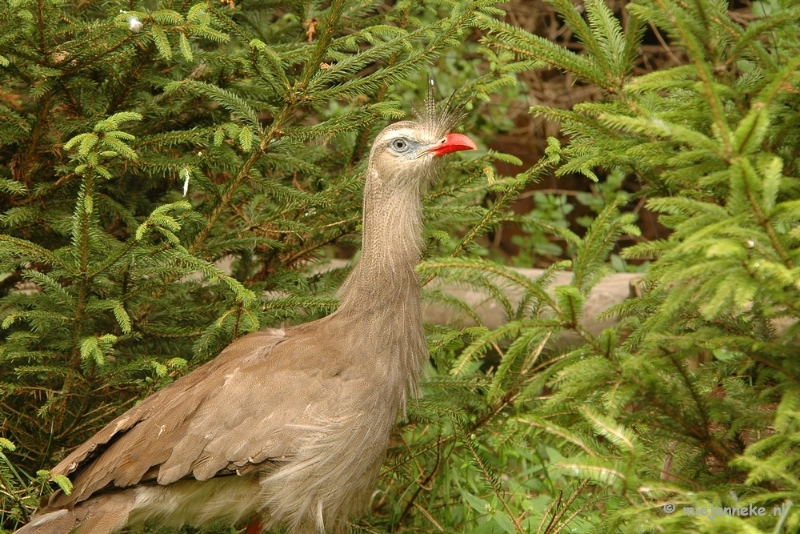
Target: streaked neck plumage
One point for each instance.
(382, 294)
(391, 246)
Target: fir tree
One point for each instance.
(685, 411)
(143, 144)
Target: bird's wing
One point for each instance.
(231, 414)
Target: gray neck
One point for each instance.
(381, 297)
(390, 248)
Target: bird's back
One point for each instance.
(283, 410)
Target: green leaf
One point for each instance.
(504, 522)
(570, 302)
(185, 47)
(230, 100)
(23, 249)
(246, 138)
(476, 503)
(167, 16)
(751, 130)
(773, 177)
(64, 483)
(118, 147)
(116, 120)
(90, 350)
(12, 186)
(161, 42)
(526, 45)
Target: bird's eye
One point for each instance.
(400, 145)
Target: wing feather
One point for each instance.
(203, 423)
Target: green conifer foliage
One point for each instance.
(685, 412)
(263, 113)
(142, 143)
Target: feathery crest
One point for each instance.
(439, 122)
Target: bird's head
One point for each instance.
(405, 153)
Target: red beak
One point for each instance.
(453, 143)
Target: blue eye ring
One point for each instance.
(400, 145)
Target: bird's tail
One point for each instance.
(102, 514)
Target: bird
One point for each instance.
(286, 428)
